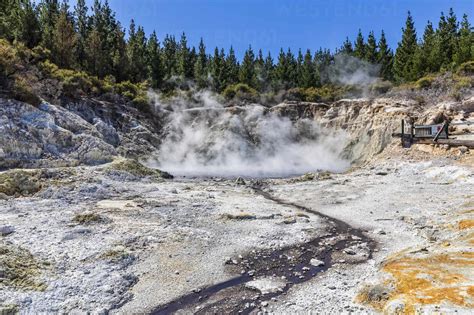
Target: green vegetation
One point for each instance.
(20, 269)
(136, 168)
(116, 255)
(425, 82)
(87, 50)
(466, 68)
(9, 309)
(20, 182)
(240, 91)
(22, 91)
(88, 218)
(17, 73)
(326, 93)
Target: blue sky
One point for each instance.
(273, 24)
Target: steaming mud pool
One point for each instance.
(99, 239)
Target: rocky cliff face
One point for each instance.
(93, 132)
(83, 132)
(370, 123)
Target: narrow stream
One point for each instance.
(292, 263)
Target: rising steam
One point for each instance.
(203, 138)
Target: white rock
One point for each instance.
(266, 285)
(6, 230)
(463, 149)
(316, 262)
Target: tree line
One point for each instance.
(93, 40)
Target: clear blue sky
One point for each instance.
(271, 24)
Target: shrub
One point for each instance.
(127, 89)
(466, 68)
(48, 67)
(463, 82)
(74, 82)
(424, 82)
(312, 94)
(326, 93)
(22, 91)
(380, 87)
(20, 269)
(41, 54)
(135, 168)
(240, 91)
(141, 102)
(295, 94)
(88, 218)
(9, 61)
(23, 53)
(20, 182)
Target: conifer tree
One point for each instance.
(217, 70)
(359, 46)
(247, 73)
(170, 49)
(232, 67)
(266, 76)
(465, 45)
(155, 67)
(292, 69)
(385, 58)
(23, 23)
(426, 60)
(82, 31)
(308, 71)
(64, 38)
(201, 66)
(404, 67)
(323, 60)
(299, 68)
(371, 49)
(120, 64)
(260, 60)
(446, 39)
(346, 47)
(137, 53)
(49, 11)
(281, 73)
(7, 9)
(185, 69)
(97, 54)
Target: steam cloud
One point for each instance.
(205, 139)
(349, 70)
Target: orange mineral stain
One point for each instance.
(466, 224)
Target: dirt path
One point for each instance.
(279, 269)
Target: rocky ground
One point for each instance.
(123, 238)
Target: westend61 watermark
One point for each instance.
(229, 37)
(336, 8)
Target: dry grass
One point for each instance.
(374, 295)
(137, 169)
(116, 255)
(19, 269)
(240, 216)
(88, 218)
(20, 182)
